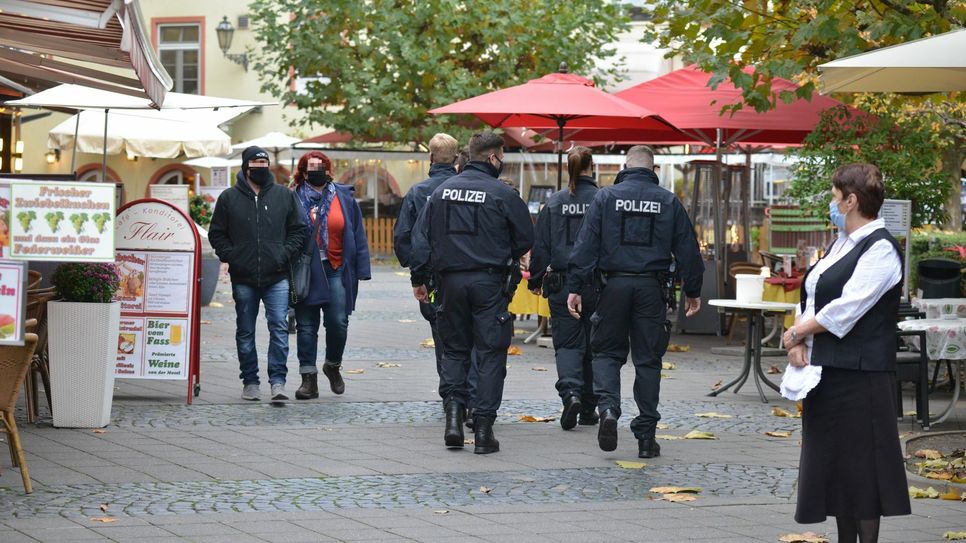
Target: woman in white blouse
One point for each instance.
(851, 461)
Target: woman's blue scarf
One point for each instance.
(317, 203)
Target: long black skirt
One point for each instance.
(851, 462)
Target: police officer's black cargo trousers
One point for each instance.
(473, 315)
(429, 312)
(571, 345)
(630, 307)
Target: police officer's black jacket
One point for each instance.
(471, 222)
(636, 226)
(557, 226)
(257, 235)
(412, 204)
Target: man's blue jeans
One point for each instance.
(247, 299)
(332, 316)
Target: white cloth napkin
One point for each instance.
(797, 382)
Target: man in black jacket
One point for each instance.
(257, 228)
(469, 233)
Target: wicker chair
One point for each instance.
(39, 367)
(14, 364)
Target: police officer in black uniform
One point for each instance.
(443, 149)
(631, 236)
(469, 233)
(556, 231)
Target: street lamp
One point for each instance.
(225, 33)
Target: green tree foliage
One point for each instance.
(381, 64)
(789, 38)
(898, 144)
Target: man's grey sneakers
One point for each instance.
(278, 392)
(251, 393)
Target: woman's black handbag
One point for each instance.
(300, 272)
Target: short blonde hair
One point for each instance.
(443, 147)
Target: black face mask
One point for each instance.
(499, 169)
(261, 176)
(317, 178)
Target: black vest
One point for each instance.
(871, 344)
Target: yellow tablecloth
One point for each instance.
(777, 293)
(527, 303)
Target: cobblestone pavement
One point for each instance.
(370, 465)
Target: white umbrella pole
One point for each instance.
(104, 149)
(73, 153)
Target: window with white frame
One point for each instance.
(179, 46)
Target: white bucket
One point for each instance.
(748, 288)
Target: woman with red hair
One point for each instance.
(340, 260)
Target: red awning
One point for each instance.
(46, 40)
(684, 99)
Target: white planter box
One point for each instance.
(83, 352)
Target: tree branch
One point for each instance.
(895, 7)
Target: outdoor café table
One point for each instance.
(945, 340)
(756, 322)
(935, 307)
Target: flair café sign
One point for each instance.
(155, 226)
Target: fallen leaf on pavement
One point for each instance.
(939, 475)
(779, 412)
(668, 366)
(469, 442)
(661, 426)
(518, 331)
(531, 418)
(105, 520)
(666, 376)
(672, 348)
(667, 437)
(513, 350)
(388, 365)
(697, 434)
(807, 537)
(427, 343)
(717, 385)
(216, 304)
(954, 536)
(630, 465)
(406, 321)
(676, 498)
(713, 415)
(485, 490)
(100, 431)
(104, 507)
(928, 454)
(799, 408)
(441, 512)
(539, 369)
(205, 322)
(952, 495)
(774, 369)
(779, 433)
(676, 489)
(916, 492)
(355, 372)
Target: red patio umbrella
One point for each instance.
(559, 100)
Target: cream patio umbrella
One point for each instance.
(936, 64)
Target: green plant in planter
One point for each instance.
(200, 207)
(84, 282)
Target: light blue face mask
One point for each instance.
(836, 216)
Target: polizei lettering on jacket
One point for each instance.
(573, 209)
(464, 195)
(638, 206)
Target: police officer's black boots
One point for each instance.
(571, 408)
(607, 433)
(453, 435)
(309, 388)
(588, 417)
(486, 442)
(648, 448)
